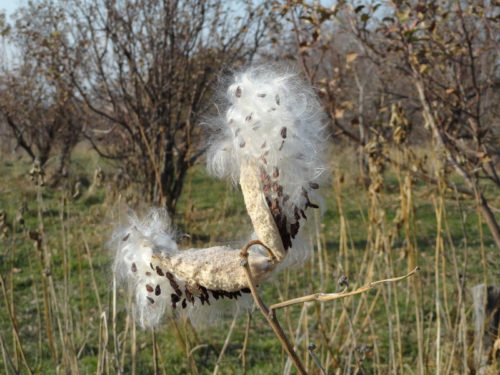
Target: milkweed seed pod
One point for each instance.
(165, 279)
(272, 140)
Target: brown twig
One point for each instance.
(269, 315)
(322, 297)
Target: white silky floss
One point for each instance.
(275, 122)
(272, 140)
(157, 291)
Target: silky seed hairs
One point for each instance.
(274, 125)
(271, 140)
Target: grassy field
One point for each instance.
(60, 311)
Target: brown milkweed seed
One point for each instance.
(159, 271)
(151, 301)
(277, 98)
(313, 185)
(126, 237)
(283, 132)
(157, 290)
(175, 298)
(238, 92)
(149, 288)
(189, 296)
(134, 267)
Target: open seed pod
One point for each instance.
(180, 282)
(271, 140)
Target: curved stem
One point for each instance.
(269, 315)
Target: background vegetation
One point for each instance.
(100, 106)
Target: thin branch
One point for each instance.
(269, 314)
(322, 297)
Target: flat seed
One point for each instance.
(149, 288)
(313, 185)
(204, 291)
(157, 290)
(283, 132)
(189, 297)
(159, 271)
(151, 301)
(276, 172)
(277, 99)
(134, 267)
(238, 92)
(126, 237)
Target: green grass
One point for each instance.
(212, 212)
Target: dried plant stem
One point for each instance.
(322, 297)
(14, 325)
(155, 352)
(269, 314)
(94, 283)
(226, 343)
(316, 359)
(7, 360)
(245, 343)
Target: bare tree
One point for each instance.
(37, 99)
(438, 59)
(148, 69)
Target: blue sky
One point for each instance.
(9, 6)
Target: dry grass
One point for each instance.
(61, 311)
